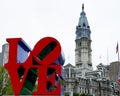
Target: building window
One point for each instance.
(88, 43)
(80, 89)
(80, 43)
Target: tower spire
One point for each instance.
(82, 7)
(83, 49)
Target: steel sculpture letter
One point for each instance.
(43, 62)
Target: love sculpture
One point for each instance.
(41, 66)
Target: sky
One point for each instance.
(35, 19)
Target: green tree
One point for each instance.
(75, 94)
(67, 94)
(85, 95)
(5, 85)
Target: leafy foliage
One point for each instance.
(75, 94)
(5, 85)
(85, 95)
(67, 94)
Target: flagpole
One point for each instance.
(118, 63)
(118, 56)
(118, 52)
(107, 57)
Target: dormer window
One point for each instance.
(84, 24)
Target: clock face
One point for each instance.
(83, 34)
(86, 34)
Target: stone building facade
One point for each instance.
(81, 78)
(83, 45)
(5, 49)
(96, 83)
(114, 69)
(1, 59)
(113, 73)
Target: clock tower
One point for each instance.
(83, 50)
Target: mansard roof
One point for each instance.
(83, 22)
(100, 65)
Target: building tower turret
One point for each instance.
(83, 45)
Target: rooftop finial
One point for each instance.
(82, 7)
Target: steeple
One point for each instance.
(82, 7)
(83, 50)
(83, 22)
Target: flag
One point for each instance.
(117, 48)
(119, 77)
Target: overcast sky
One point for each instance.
(35, 19)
